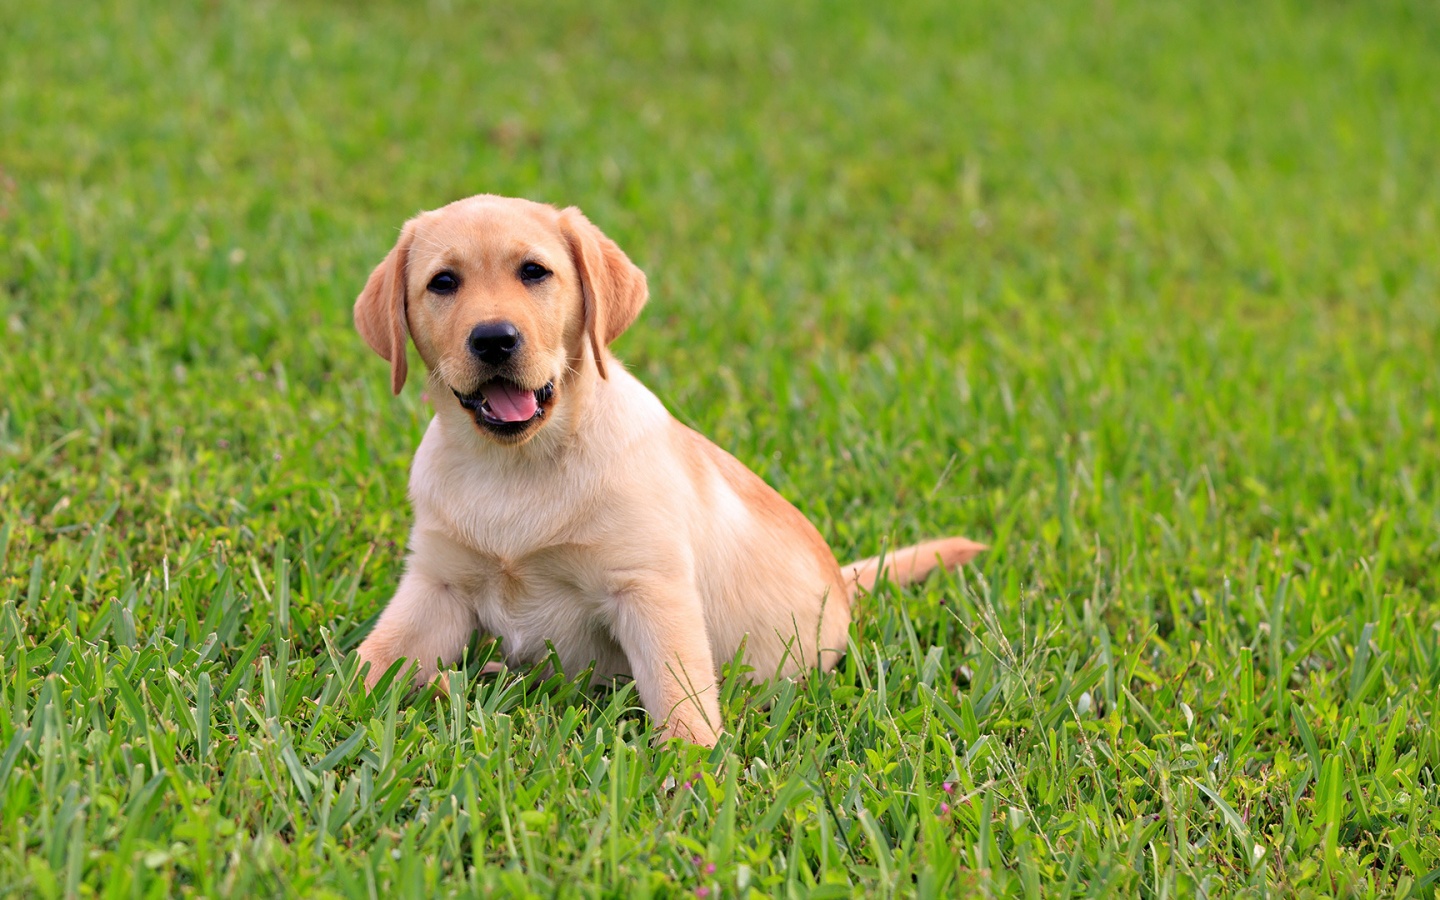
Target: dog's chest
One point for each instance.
(550, 597)
(519, 549)
(518, 554)
(503, 511)
(531, 596)
(506, 525)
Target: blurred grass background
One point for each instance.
(1142, 294)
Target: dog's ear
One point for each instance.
(612, 288)
(380, 310)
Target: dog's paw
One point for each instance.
(692, 730)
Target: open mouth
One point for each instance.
(505, 408)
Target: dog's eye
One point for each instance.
(443, 283)
(531, 272)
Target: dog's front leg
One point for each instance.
(426, 622)
(661, 628)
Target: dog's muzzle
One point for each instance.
(505, 408)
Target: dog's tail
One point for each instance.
(911, 563)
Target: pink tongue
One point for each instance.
(509, 403)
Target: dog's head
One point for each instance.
(505, 299)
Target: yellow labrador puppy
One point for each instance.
(557, 500)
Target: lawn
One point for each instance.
(1144, 295)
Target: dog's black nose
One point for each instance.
(493, 342)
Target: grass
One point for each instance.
(1144, 295)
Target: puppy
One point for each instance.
(556, 500)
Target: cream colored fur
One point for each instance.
(609, 529)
